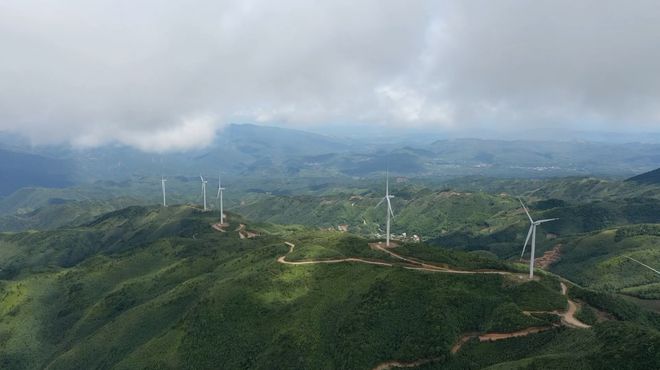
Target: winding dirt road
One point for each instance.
(567, 317)
(424, 266)
(282, 259)
(392, 364)
(416, 265)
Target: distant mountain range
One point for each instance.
(20, 169)
(245, 150)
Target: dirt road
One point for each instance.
(567, 317)
(282, 259)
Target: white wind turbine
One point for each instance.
(532, 233)
(645, 265)
(203, 190)
(389, 211)
(219, 196)
(162, 183)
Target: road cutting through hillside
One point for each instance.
(393, 364)
(282, 259)
(417, 265)
(567, 317)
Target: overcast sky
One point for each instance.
(165, 75)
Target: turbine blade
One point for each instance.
(389, 208)
(381, 202)
(526, 212)
(218, 196)
(529, 234)
(546, 220)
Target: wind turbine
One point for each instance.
(203, 190)
(389, 211)
(162, 183)
(532, 233)
(219, 196)
(647, 266)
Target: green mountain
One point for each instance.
(651, 177)
(146, 287)
(593, 233)
(598, 260)
(458, 218)
(62, 212)
(248, 150)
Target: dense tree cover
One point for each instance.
(598, 260)
(507, 318)
(587, 315)
(159, 288)
(145, 287)
(620, 308)
(609, 345)
(636, 230)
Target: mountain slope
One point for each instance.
(598, 260)
(159, 288)
(62, 212)
(651, 177)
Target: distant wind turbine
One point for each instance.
(389, 211)
(162, 183)
(647, 266)
(203, 190)
(532, 234)
(219, 196)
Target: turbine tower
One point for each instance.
(203, 190)
(645, 265)
(219, 196)
(532, 233)
(162, 183)
(389, 211)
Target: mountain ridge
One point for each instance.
(651, 177)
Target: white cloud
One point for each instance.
(188, 133)
(90, 73)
